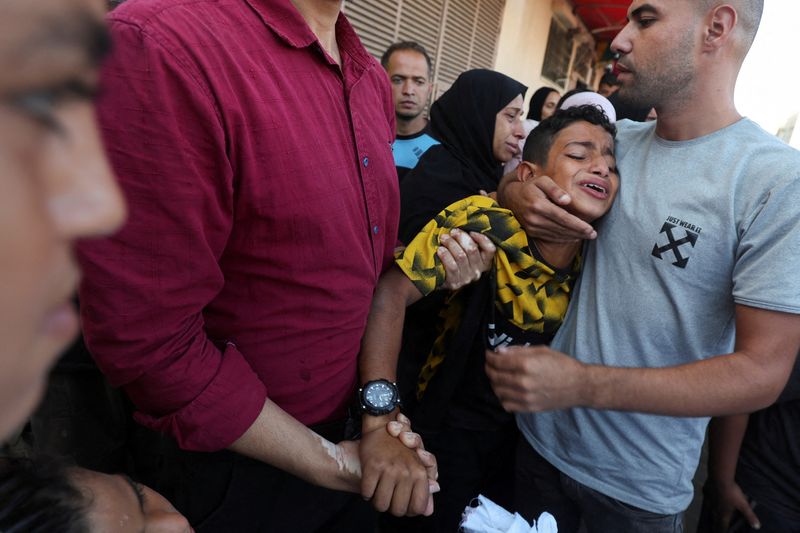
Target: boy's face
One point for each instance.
(55, 185)
(581, 161)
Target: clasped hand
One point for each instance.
(398, 474)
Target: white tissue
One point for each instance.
(488, 517)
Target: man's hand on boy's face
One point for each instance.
(538, 205)
(465, 256)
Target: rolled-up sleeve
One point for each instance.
(144, 289)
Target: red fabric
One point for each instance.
(263, 206)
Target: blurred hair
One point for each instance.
(609, 78)
(39, 497)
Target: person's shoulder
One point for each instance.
(166, 16)
(751, 131)
(437, 170)
(436, 160)
(632, 128)
(143, 13)
(631, 136)
(766, 153)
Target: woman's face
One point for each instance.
(508, 130)
(549, 105)
(55, 187)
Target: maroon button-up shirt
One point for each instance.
(263, 207)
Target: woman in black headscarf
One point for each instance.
(544, 103)
(477, 123)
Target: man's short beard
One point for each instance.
(654, 86)
(406, 117)
(635, 98)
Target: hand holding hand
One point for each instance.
(393, 477)
(401, 428)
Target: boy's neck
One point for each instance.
(557, 254)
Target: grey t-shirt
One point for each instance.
(699, 226)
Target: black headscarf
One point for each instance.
(462, 120)
(537, 102)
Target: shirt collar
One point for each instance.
(286, 22)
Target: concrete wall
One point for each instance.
(523, 39)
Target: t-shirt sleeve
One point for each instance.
(765, 272)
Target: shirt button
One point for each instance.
(375, 229)
(365, 161)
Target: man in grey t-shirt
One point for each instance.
(689, 305)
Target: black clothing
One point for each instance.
(213, 490)
(466, 459)
(769, 461)
(768, 470)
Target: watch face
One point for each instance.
(379, 395)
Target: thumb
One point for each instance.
(751, 517)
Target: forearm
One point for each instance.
(746, 380)
(725, 436)
(380, 346)
(718, 386)
(278, 439)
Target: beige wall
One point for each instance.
(523, 39)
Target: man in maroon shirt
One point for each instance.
(251, 138)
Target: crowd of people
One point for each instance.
(314, 300)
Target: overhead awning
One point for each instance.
(603, 18)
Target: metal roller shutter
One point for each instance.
(375, 22)
(484, 47)
(421, 20)
(458, 34)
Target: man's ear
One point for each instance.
(527, 170)
(721, 22)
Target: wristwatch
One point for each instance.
(378, 397)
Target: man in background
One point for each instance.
(410, 71)
(608, 84)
